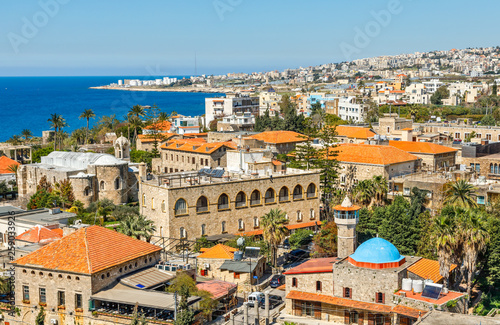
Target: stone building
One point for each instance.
(433, 156)
(353, 134)
(392, 122)
(192, 205)
(191, 154)
(280, 142)
(145, 142)
(369, 286)
(65, 276)
(93, 176)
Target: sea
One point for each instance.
(28, 102)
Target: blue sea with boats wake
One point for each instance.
(27, 102)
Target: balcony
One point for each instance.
(223, 206)
(241, 204)
(201, 209)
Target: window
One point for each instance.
(101, 187)
(117, 183)
(255, 198)
(86, 192)
(182, 232)
(488, 137)
(318, 285)
(78, 300)
(202, 204)
(479, 135)
(223, 202)
(312, 214)
(61, 298)
(299, 216)
(236, 275)
(347, 293)
(194, 162)
(353, 317)
(43, 296)
(294, 282)
(284, 195)
(241, 224)
(203, 229)
(163, 206)
(223, 226)
(270, 196)
(297, 192)
(241, 200)
(478, 168)
(26, 293)
(311, 190)
(180, 207)
(457, 135)
(256, 222)
(152, 203)
(380, 298)
(144, 199)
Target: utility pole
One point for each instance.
(245, 313)
(175, 305)
(266, 306)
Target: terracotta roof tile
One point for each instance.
(219, 251)
(421, 147)
(354, 132)
(198, 145)
(161, 126)
(161, 137)
(428, 269)
(88, 250)
(277, 137)
(315, 265)
(39, 234)
(372, 154)
(408, 311)
(5, 163)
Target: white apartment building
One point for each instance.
(229, 105)
(237, 122)
(416, 94)
(185, 124)
(269, 100)
(349, 110)
(432, 85)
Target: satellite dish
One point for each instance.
(240, 241)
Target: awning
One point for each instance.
(149, 278)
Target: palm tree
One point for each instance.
(380, 188)
(15, 140)
(135, 122)
(444, 238)
(363, 192)
(13, 169)
(137, 226)
(460, 193)
(87, 114)
(274, 231)
(27, 135)
(54, 123)
(137, 111)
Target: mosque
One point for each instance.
(371, 284)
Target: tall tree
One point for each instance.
(306, 155)
(460, 193)
(137, 227)
(27, 135)
(444, 239)
(55, 120)
(87, 114)
(274, 231)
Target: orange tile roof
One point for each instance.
(451, 295)
(196, 145)
(372, 154)
(147, 138)
(162, 126)
(421, 147)
(315, 265)
(5, 163)
(428, 269)
(39, 234)
(354, 132)
(203, 134)
(407, 129)
(88, 250)
(276, 163)
(219, 251)
(350, 303)
(279, 137)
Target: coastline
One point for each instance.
(175, 90)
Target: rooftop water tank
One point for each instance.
(418, 286)
(406, 285)
(238, 255)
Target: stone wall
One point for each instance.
(172, 161)
(157, 203)
(306, 282)
(242, 279)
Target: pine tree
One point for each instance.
(40, 318)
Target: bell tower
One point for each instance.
(346, 217)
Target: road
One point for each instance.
(252, 314)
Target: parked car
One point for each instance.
(274, 301)
(277, 280)
(297, 254)
(255, 297)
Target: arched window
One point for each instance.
(203, 229)
(491, 169)
(297, 192)
(86, 191)
(241, 200)
(318, 285)
(256, 222)
(152, 203)
(223, 227)
(241, 224)
(299, 216)
(294, 282)
(312, 214)
(180, 207)
(223, 202)
(182, 232)
(163, 207)
(101, 187)
(496, 169)
(144, 199)
(270, 196)
(202, 204)
(117, 183)
(311, 190)
(255, 198)
(284, 195)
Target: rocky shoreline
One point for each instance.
(173, 89)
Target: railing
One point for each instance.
(180, 212)
(254, 202)
(311, 194)
(240, 204)
(202, 209)
(298, 196)
(223, 206)
(283, 198)
(270, 199)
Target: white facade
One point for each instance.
(350, 111)
(220, 107)
(240, 119)
(185, 124)
(432, 85)
(416, 94)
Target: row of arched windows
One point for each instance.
(494, 169)
(241, 200)
(102, 186)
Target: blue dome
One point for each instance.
(377, 250)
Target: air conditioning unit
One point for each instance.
(53, 321)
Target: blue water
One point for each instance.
(27, 102)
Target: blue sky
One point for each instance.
(123, 37)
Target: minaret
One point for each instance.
(346, 218)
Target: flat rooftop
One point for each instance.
(37, 216)
(443, 298)
(439, 318)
